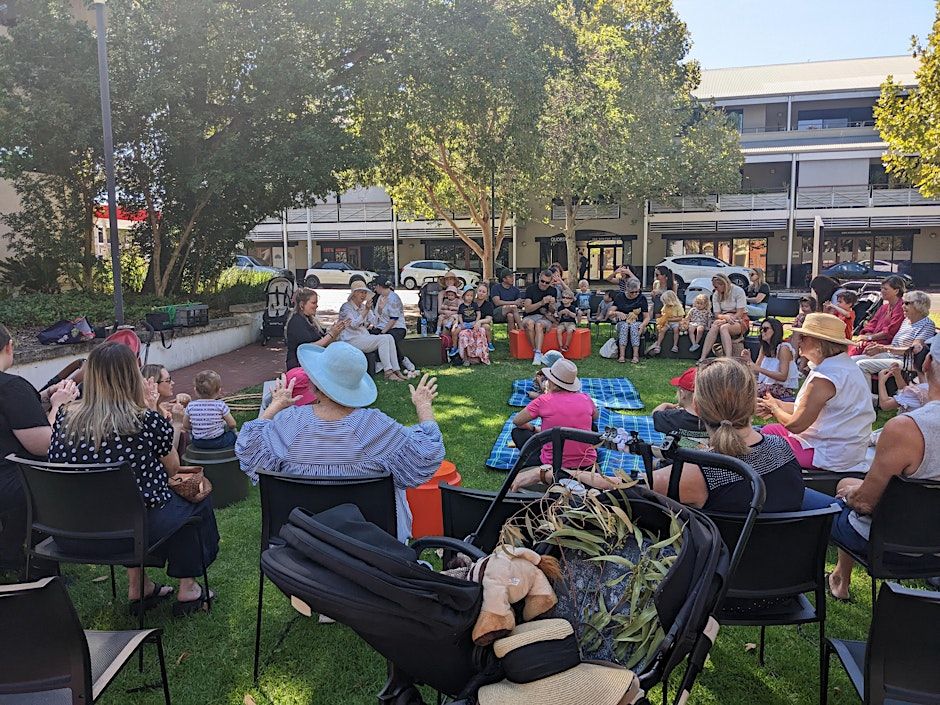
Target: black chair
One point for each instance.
(281, 493)
(904, 522)
(826, 481)
(784, 559)
(463, 509)
(782, 307)
(91, 503)
(898, 663)
(48, 659)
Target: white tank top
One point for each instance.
(839, 435)
(773, 364)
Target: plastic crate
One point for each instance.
(187, 315)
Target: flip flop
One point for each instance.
(200, 604)
(832, 595)
(151, 600)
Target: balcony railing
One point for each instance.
(777, 200)
(859, 197)
(590, 211)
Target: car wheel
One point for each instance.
(312, 282)
(410, 283)
(739, 279)
(680, 282)
(356, 278)
(462, 282)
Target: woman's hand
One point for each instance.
(66, 391)
(766, 406)
(875, 349)
(476, 325)
(338, 328)
(151, 394)
(746, 357)
(425, 393)
(283, 395)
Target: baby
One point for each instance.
(606, 307)
(670, 318)
(447, 316)
(697, 320)
(538, 383)
(208, 418)
(569, 316)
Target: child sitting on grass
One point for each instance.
(538, 382)
(697, 321)
(208, 418)
(670, 318)
(568, 319)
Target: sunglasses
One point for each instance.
(543, 281)
(765, 328)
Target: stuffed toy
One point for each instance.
(509, 575)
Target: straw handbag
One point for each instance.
(191, 484)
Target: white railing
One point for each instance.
(590, 211)
(860, 197)
(778, 200)
(900, 197)
(685, 204)
(762, 128)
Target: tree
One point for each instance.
(449, 115)
(910, 121)
(226, 112)
(619, 120)
(50, 137)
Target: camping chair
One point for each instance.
(777, 307)
(898, 663)
(464, 508)
(904, 521)
(47, 657)
(91, 503)
(281, 493)
(785, 558)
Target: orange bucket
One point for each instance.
(425, 502)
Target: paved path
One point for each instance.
(245, 367)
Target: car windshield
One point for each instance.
(248, 259)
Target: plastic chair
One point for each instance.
(47, 658)
(898, 663)
(785, 558)
(91, 503)
(464, 508)
(281, 493)
(904, 521)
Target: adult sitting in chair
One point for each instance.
(537, 310)
(390, 320)
(729, 304)
(829, 425)
(909, 447)
(916, 328)
(359, 318)
(633, 315)
(884, 325)
(115, 421)
(335, 434)
(758, 292)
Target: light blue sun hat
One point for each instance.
(340, 371)
(551, 357)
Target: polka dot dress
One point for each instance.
(142, 451)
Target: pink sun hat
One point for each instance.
(302, 387)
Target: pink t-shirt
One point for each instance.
(571, 410)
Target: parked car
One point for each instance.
(253, 264)
(413, 274)
(883, 265)
(685, 268)
(336, 274)
(857, 271)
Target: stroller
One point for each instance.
(428, 303)
(866, 306)
(278, 295)
(421, 621)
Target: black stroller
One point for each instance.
(421, 621)
(428, 303)
(278, 295)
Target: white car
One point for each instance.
(413, 274)
(253, 264)
(336, 274)
(685, 268)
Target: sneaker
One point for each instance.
(323, 619)
(452, 352)
(693, 348)
(491, 347)
(537, 358)
(408, 364)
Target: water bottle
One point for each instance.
(424, 326)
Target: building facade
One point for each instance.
(810, 149)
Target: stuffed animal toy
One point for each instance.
(509, 575)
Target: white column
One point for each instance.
(791, 220)
(515, 244)
(395, 244)
(284, 238)
(789, 111)
(309, 241)
(646, 237)
(817, 244)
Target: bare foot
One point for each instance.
(837, 589)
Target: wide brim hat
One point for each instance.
(824, 326)
(358, 286)
(564, 373)
(302, 386)
(551, 357)
(452, 290)
(340, 371)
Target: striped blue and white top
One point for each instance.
(924, 329)
(206, 416)
(365, 442)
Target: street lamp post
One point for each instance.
(105, 89)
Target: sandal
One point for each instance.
(200, 604)
(151, 600)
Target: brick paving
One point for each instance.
(245, 367)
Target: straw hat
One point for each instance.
(340, 371)
(564, 373)
(824, 326)
(358, 286)
(549, 647)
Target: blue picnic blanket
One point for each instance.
(502, 457)
(607, 392)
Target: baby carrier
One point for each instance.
(428, 299)
(421, 621)
(278, 296)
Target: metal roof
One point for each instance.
(808, 77)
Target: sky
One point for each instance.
(752, 32)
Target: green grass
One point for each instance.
(209, 657)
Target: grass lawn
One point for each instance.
(209, 657)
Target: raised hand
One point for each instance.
(66, 391)
(283, 395)
(425, 393)
(151, 394)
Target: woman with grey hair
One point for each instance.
(359, 317)
(916, 328)
(633, 312)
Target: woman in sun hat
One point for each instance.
(542, 664)
(562, 404)
(337, 435)
(829, 425)
(359, 317)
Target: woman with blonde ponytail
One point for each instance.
(724, 399)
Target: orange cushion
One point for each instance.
(520, 348)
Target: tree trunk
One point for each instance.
(571, 241)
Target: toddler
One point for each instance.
(670, 318)
(569, 316)
(842, 309)
(807, 306)
(697, 320)
(208, 418)
(606, 307)
(908, 397)
(538, 383)
(447, 315)
(584, 298)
